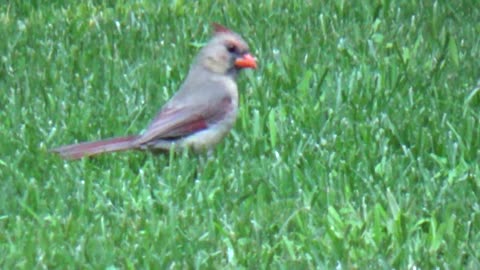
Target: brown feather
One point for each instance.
(76, 151)
(218, 28)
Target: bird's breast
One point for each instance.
(207, 138)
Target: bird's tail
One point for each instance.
(76, 151)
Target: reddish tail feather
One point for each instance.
(76, 151)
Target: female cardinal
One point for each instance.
(199, 115)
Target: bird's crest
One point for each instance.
(218, 28)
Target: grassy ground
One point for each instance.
(357, 145)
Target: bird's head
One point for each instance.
(226, 53)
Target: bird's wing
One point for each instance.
(181, 121)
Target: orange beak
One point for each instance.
(246, 61)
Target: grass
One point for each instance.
(357, 144)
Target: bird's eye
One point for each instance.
(231, 48)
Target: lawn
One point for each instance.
(357, 144)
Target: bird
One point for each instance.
(199, 115)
